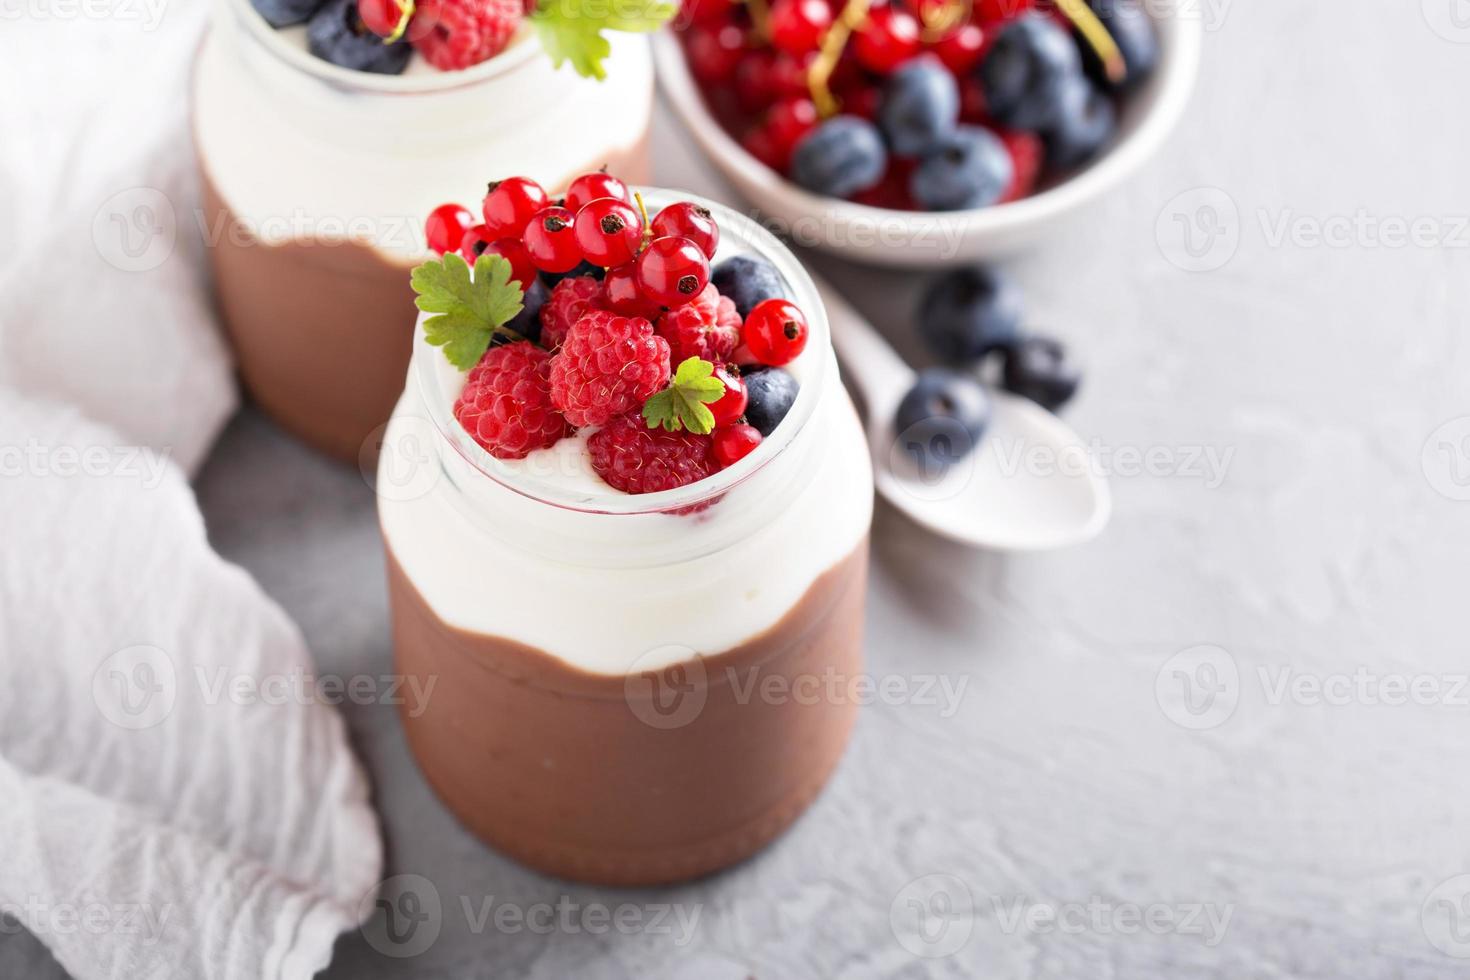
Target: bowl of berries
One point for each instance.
(915, 132)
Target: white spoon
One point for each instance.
(1028, 486)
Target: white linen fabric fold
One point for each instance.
(173, 803)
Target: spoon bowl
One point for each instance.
(1030, 485)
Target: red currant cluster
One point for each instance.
(651, 356)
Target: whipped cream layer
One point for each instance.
(298, 154)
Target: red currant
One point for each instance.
(788, 121)
(706, 11)
(987, 11)
(446, 226)
(888, 39)
(689, 220)
(776, 332)
(960, 49)
(623, 295)
(789, 74)
(797, 26)
(510, 203)
(551, 240)
(758, 143)
(1028, 156)
(474, 241)
(382, 17)
(973, 107)
(863, 101)
(714, 52)
(522, 269)
(672, 271)
(589, 187)
(731, 405)
(609, 232)
(735, 442)
(755, 87)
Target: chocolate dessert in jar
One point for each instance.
(640, 622)
(316, 176)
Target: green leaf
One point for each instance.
(682, 404)
(469, 311)
(571, 30)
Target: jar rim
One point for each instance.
(817, 360)
(520, 49)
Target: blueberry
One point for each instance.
(771, 393)
(583, 268)
(1133, 31)
(841, 157)
(970, 170)
(941, 419)
(337, 34)
(1023, 72)
(284, 13)
(527, 323)
(1037, 368)
(970, 312)
(746, 280)
(920, 107)
(1085, 121)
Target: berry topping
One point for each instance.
(889, 38)
(385, 18)
(776, 332)
(446, 226)
(746, 280)
(921, 104)
(609, 231)
(1023, 70)
(770, 393)
(788, 122)
(970, 170)
(551, 240)
(672, 271)
(473, 242)
(942, 418)
(633, 458)
(1132, 30)
(284, 13)
(1085, 120)
(960, 50)
(622, 294)
(714, 52)
(608, 365)
(521, 268)
(731, 404)
(705, 11)
(510, 204)
(797, 26)
(1038, 368)
(462, 33)
(840, 157)
(337, 34)
(589, 187)
(688, 220)
(468, 312)
(708, 327)
(570, 300)
(583, 268)
(506, 402)
(1028, 154)
(970, 312)
(526, 323)
(686, 403)
(733, 443)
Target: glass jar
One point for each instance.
(630, 689)
(317, 180)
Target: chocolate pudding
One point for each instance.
(637, 780)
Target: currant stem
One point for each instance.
(760, 18)
(1097, 37)
(643, 211)
(939, 21)
(406, 7)
(819, 76)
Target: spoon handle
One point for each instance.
(869, 361)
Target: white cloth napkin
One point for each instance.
(173, 803)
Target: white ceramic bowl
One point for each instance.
(917, 238)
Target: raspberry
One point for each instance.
(461, 33)
(707, 327)
(506, 402)
(571, 299)
(633, 458)
(608, 365)
(1028, 154)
